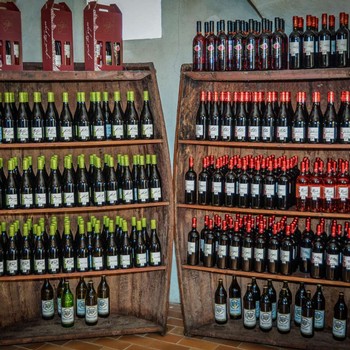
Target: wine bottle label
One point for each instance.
(285, 256)
(67, 315)
(255, 190)
(281, 191)
(37, 133)
(269, 190)
(189, 186)
(319, 319)
(91, 313)
(50, 132)
(298, 134)
(345, 134)
(253, 133)
(8, 134)
(274, 310)
(346, 262)
(103, 306)
(222, 251)
(83, 198)
(156, 193)
(339, 328)
(83, 132)
(249, 317)
(315, 192)
(341, 45)
(132, 131)
(266, 133)
(294, 48)
(58, 60)
(329, 193)
(80, 307)
(141, 259)
(8, 59)
(56, 199)
(297, 313)
(199, 131)
(332, 260)
(39, 265)
(98, 132)
(97, 262)
(11, 200)
(226, 133)
(247, 253)
(147, 130)
(125, 261)
(324, 46)
(272, 255)
(12, 267)
(27, 200)
(308, 47)
(118, 131)
(127, 196)
(302, 191)
(66, 133)
(112, 196)
(143, 195)
(230, 188)
(22, 134)
(191, 248)
(329, 134)
(265, 319)
(259, 254)
(24, 265)
(68, 264)
(112, 262)
(240, 132)
(242, 189)
(213, 132)
(343, 193)
(282, 133)
(316, 258)
(40, 200)
(155, 258)
(208, 249)
(216, 187)
(59, 305)
(99, 197)
(220, 311)
(306, 325)
(53, 265)
(235, 306)
(68, 198)
(108, 130)
(1, 267)
(202, 186)
(47, 308)
(283, 322)
(82, 264)
(305, 253)
(234, 252)
(313, 134)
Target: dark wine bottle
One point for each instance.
(98, 130)
(193, 245)
(125, 252)
(214, 120)
(26, 187)
(299, 121)
(190, 184)
(131, 118)
(98, 184)
(324, 43)
(286, 253)
(51, 120)
(117, 119)
(11, 190)
(98, 256)
(340, 316)
(211, 57)
(65, 121)
(209, 253)
(247, 249)
(315, 122)
(220, 305)
(283, 313)
(235, 301)
(320, 306)
(295, 46)
(81, 120)
(333, 257)
(249, 308)
(155, 181)
(107, 115)
(330, 121)
(26, 254)
(23, 120)
(198, 49)
(204, 184)
(146, 119)
(8, 121)
(265, 319)
(307, 317)
(341, 43)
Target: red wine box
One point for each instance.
(57, 37)
(10, 37)
(103, 37)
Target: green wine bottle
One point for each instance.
(155, 250)
(51, 120)
(66, 121)
(117, 119)
(67, 313)
(37, 121)
(131, 118)
(23, 121)
(26, 189)
(146, 119)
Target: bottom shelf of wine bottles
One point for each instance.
(234, 330)
(53, 330)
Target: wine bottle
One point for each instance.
(68, 253)
(315, 122)
(214, 120)
(260, 251)
(222, 248)
(140, 258)
(247, 249)
(26, 187)
(81, 119)
(82, 183)
(98, 261)
(230, 186)
(107, 115)
(131, 118)
(265, 318)
(59, 291)
(53, 252)
(98, 132)
(209, 254)
(91, 313)
(26, 254)
(286, 253)
(264, 46)
(103, 300)
(51, 119)
(126, 252)
(299, 121)
(23, 120)
(198, 49)
(68, 184)
(279, 42)
(249, 308)
(47, 301)
(65, 121)
(330, 123)
(333, 257)
(257, 296)
(193, 244)
(146, 119)
(235, 301)
(273, 252)
(344, 118)
(127, 183)
(226, 132)
(37, 121)
(155, 181)
(254, 120)
(320, 306)
(283, 313)
(302, 189)
(204, 178)
(324, 39)
(240, 121)
(295, 46)
(283, 119)
(300, 297)
(155, 249)
(305, 249)
(11, 191)
(54, 186)
(307, 317)
(268, 120)
(190, 184)
(142, 182)
(80, 295)
(12, 254)
(8, 121)
(243, 187)
(341, 43)
(202, 118)
(217, 185)
(98, 184)
(340, 316)
(269, 188)
(220, 306)
(211, 59)
(117, 119)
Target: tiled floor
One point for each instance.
(173, 340)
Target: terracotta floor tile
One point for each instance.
(169, 338)
(227, 342)
(11, 347)
(51, 346)
(113, 343)
(32, 346)
(82, 345)
(137, 340)
(178, 331)
(198, 343)
(253, 346)
(225, 347)
(136, 347)
(175, 321)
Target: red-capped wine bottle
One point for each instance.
(329, 191)
(273, 252)
(209, 254)
(317, 269)
(341, 43)
(345, 266)
(316, 189)
(251, 48)
(217, 186)
(222, 47)
(214, 122)
(309, 45)
(299, 121)
(239, 43)
(211, 58)
(254, 120)
(260, 251)
(264, 47)
(247, 249)
(344, 119)
(268, 120)
(283, 185)
(256, 193)
(230, 186)
(331, 20)
(295, 46)
(223, 248)
(198, 49)
(204, 184)
(202, 118)
(342, 188)
(235, 250)
(330, 123)
(226, 132)
(315, 122)
(243, 187)
(230, 46)
(305, 249)
(283, 120)
(333, 257)
(240, 121)
(286, 253)
(193, 245)
(190, 184)
(324, 42)
(269, 188)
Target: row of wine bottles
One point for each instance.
(79, 187)
(22, 124)
(246, 117)
(266, 245)
(249, 46)
(87, 304)
(268, 310)
(35, 250)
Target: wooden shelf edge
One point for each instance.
(76, 210)
(289, 212)
(262, 145)
(133, 270)
(298, 277)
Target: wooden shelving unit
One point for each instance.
(197, 283)
(139, 297)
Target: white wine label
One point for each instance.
(249, 317)
(118, 131)
(226, 132)
(345, 134)
(67, 315)
(265, 319)
(234, 252)
(156, 193)
(199, 131)
(220, 312)
(112, 261)
(324, 46)
(66, 133)
(269, 190)
(37, 133)
(308, 47)
(47, 308)
(83, 198)
(11, 200)
(53, 265)
(82, 264)
(68, 198)
(329, 193)
(303, 191)
(56, 199)
(216, 187)
(191, 248)
(297, 313)
(112, 196)
(208, 249)
(242, 189)
(332, 260)
(313, 134)
(1, 267)
(346, 262)
(147, 130)
(329, 134)
(306, 326)
(143, 194)
(343, 193)
(141, 259)
(339, 328)
(259, 254)
(202, 186)
(316, 258)
(155, 258)
(240, 132)
(91, 313)
(27, 199)
(281, 191)
(24, 265)
(68, 264)
(132, 131)
(319, 319)
(98, 131)
(230, 188)
(8, 60)
(12, 266)
(97, 262)
(298, 134)
(50, 132)
(99, 197)
(235, 306)
(39, 265)
(222, 251)
(283, 322)
(83, 132)
(282, 133)
(8, 134)
(81, 307)
(103, 306)
(189, 185)
(285, 256)
(294, 48)
(22, 134)
(253, 132)
(305, 253)
(247, 253)
(127, 196)
(315, 192)
(272, 255)
(58, 60)
(213, 131)
(125, 260)
(341, 45)
(255, 189)
(40, 200)
(266, 132)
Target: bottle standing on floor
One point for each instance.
(340, 316)
(235, 301)
(91, 313)
(103, 300)
(67, 306)
(307, 317)
(80, 295)
(220, 307)
(47, 301)
(249, 308)
(283, 313)
(265, 318)
(320, 306)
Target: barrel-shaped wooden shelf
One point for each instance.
(139, 297)
(198, 283)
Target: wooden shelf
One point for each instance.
(114, 325)
(77, 144)
(234, 330)
(20, 278)
(77, 210)
(263, 145)
(290, 212)
(295, 278)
